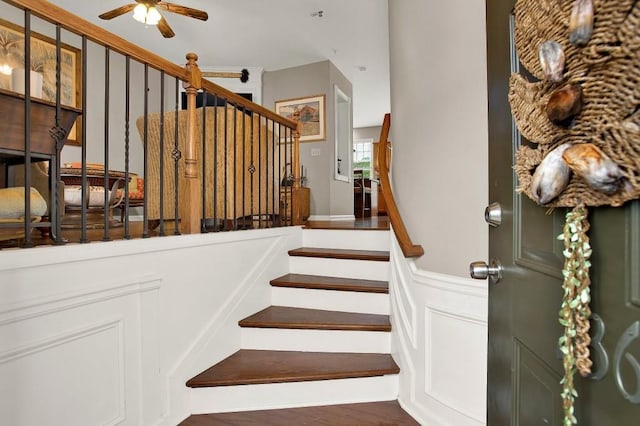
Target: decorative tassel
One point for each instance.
(575, 312)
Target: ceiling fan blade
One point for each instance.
(118, 11)
(183, 10)
(165, 29)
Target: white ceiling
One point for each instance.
(273, 34)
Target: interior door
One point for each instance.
(524, 367)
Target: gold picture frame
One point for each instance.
(43, 60)
(312, 115)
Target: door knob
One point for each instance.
(493, 214)
(481, 271)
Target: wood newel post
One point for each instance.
(191, 205)
(296, 204)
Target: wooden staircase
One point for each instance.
(300, 352)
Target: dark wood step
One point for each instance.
(379, 223)
(315, 319)
(362, 414)
(247, 367)
(328, 253)
(317, 282)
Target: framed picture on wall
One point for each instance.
(43, 66)
(312, 115)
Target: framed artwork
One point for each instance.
(43, 61)
(312, 115)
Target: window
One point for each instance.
(363, 156)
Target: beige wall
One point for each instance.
(439, 128)
(367, 132)
(328, 197)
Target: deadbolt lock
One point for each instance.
(493, 214)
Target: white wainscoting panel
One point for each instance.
(439, 339)
(455, 362)
(108, 333)
(74, 378)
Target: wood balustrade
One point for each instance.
(191, 209)
(409, 249)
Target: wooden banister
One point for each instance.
(51, 12)
(408, 248)
(191, 208)
(77, 25)
(191, 203)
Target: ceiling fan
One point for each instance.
(146, 11)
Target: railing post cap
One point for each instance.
(192, 57)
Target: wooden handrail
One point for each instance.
(191, 76)
(238, 100)
(52, 13)
(77, 25)
(408, 248)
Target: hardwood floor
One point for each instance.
(363, 414)
(379, 223)
(136, 230)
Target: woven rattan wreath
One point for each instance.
(607, 69)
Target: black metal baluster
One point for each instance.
(226, 158)
(279, 182)
(244, 171)
(85, 184)
(105, 236)
(215, 162)
(176, 158)
(259, 171)
(161, 231)
(59, 135)
(145, 147)
(273, 172)
(203, 222)
(27, 131)
(127, 119)
(289, 183)
(235, 165)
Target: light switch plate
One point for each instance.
(315, 152)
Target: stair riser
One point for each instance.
(316, 340)
(285, 395)
(346, 301)
(357, 269)
(354, 240)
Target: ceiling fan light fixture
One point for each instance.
(153, 16)
(147, 15)
(140, 13)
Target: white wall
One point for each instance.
(440, 181)
(108, 333)
(439, 128)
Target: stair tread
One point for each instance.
(316, 319)
(375, 255)
(318, 282)
(262, 366)
(363, 414)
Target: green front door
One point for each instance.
(525, 367)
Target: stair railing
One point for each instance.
(283, 134)
(409, 249)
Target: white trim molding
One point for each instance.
(439, 334)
